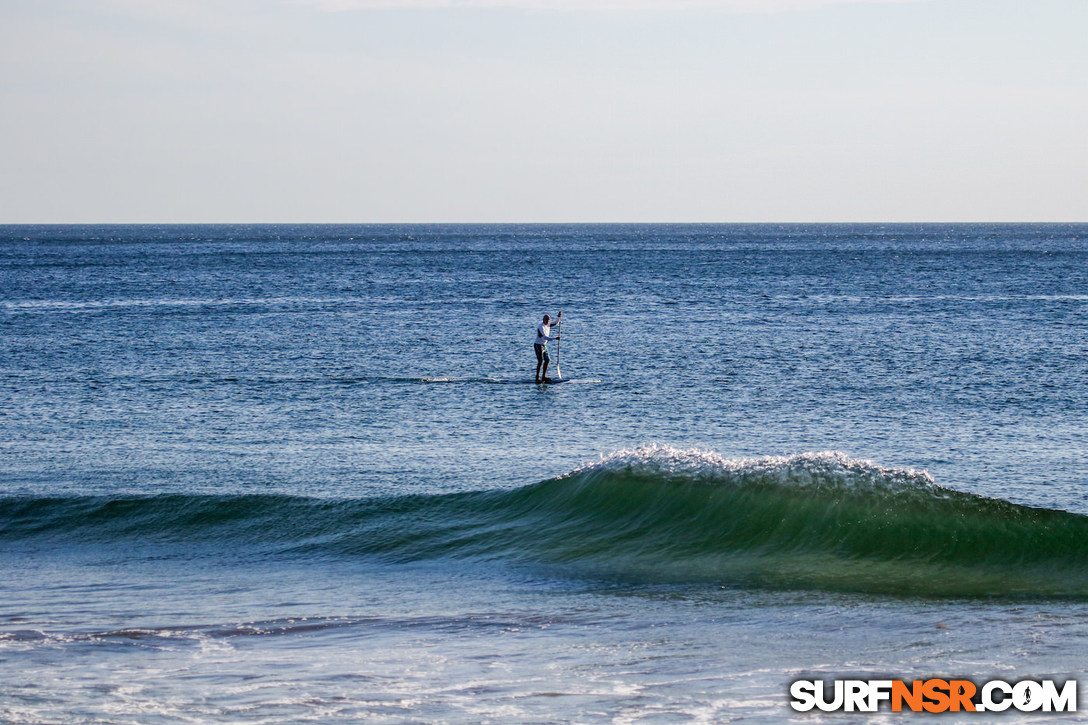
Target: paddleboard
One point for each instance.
(497, 381)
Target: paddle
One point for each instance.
(558, 336)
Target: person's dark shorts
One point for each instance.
(541, 352)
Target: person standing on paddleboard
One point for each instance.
(541, 346)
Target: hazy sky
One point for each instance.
(543, 110)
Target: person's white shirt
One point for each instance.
(542, 332)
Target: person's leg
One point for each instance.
(539, 361)
(544, 376)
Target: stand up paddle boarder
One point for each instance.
(541, 347)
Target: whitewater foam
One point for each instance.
(823, 469)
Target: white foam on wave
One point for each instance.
(820, 469)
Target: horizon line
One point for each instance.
(535, 223)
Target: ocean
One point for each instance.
(295, 473)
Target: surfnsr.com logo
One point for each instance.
(934, 695)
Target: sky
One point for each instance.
(205, 111)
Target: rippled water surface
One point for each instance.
(288, 473)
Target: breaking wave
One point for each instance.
(655, 515)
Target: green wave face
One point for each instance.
(654, 515)
(818, 521)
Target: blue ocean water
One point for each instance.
(288, 473)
